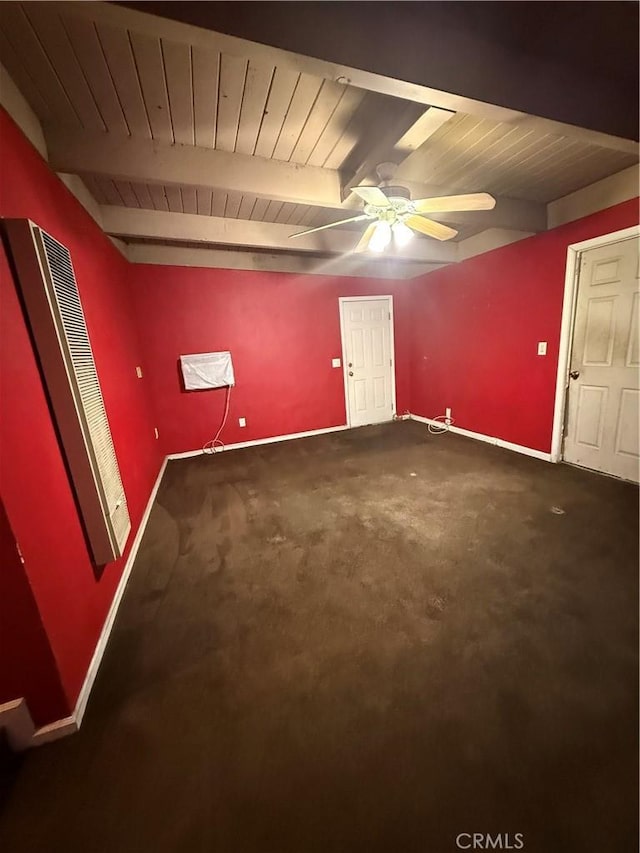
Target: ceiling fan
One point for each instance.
(394, 216)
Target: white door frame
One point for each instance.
(566, 330)
(392, 348)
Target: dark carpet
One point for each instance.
(366, 641)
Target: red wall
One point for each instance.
(26, 662)
(282, 331)
(71, 600)
(475, 329)
(465, 337)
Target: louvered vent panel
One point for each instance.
(72, 318)
(60, 332)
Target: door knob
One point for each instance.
(351, 373)
(574, 374)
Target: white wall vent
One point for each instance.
(52, 302)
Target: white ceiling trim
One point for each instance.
(615, 189)
(492, 238)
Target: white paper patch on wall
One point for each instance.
(207, 370)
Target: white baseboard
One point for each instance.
(518, 448)
(273, 440)
(83, 696)
(55, 731)
(16, 714)
(16, 721)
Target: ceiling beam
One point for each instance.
(430, 121)
(233, 259)
(486, 241)
(120, 16)
(128, 159)
(147, 161)
(614, 189)
(401, 138)
(192, 228)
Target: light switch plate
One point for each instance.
(542, 348)
(335, 362)
(139, 372)
(242, 422)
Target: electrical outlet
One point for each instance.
(542, 348)
(139, 372)
(242, 422)
(156, 433)
(447, 415)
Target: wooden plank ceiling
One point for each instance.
(106, 70)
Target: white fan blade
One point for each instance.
(469, 201)
(430, 228)
(330, 225)
(363, 243)
(372, 195)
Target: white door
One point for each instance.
(602, 418)
(367, 351)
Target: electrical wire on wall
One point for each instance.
(215, 445)
(442, 425)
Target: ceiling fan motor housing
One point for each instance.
(399, 208)
(396, 192)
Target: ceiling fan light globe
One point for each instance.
(402, 234)
(381, 237)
